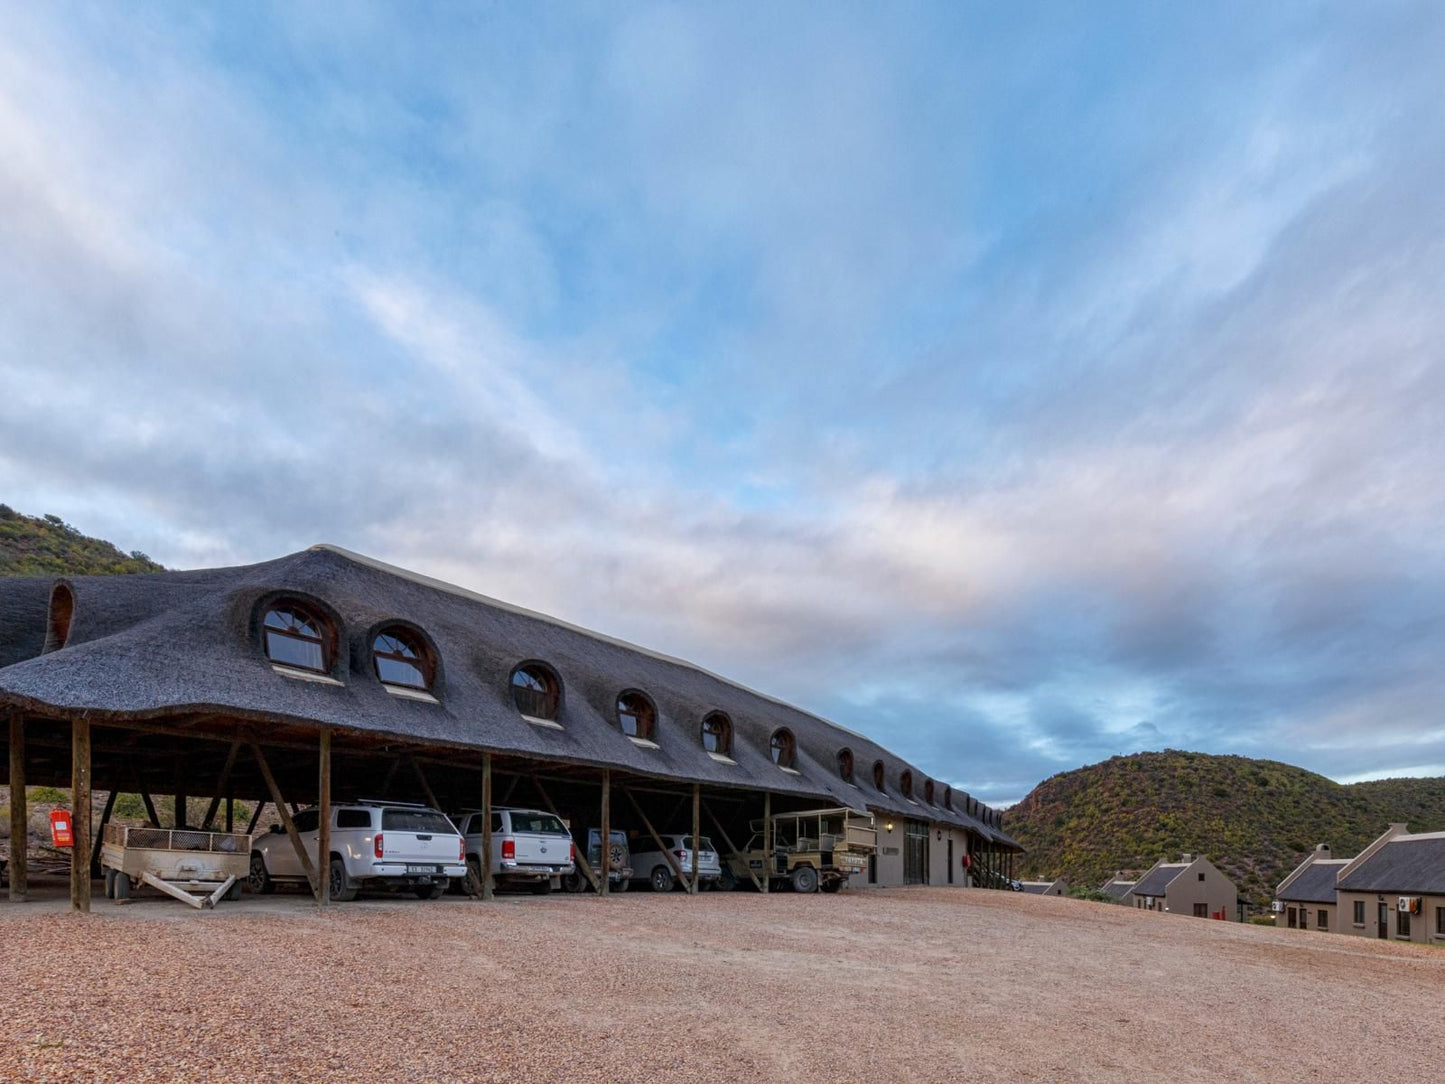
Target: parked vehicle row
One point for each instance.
(400, 846)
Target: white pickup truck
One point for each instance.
(529, 847)
(373, 845)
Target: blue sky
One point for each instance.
(1017, 387)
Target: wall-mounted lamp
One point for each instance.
(888, 827)
(940, 833)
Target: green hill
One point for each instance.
(47, 545)
(1255, 819)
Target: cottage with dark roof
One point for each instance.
(1118, 886)
(1305, 899)
(256, 682)
(1395, 888)
(1056, 887)
(1192, 886)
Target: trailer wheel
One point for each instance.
(121, 889)
(258, 881)
(805, 879)
(661, 879)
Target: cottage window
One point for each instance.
(717, 734)
(1402, 923)
(401, 658)
(636, 715)
(784, 748)
(294, 637)
(1322, 919)
(845, 765)
(1440, 921)
(536, 691)
(1359, 912)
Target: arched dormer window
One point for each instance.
(295, 636)
(636, 716)
(947, 797)
(57, 625)
(878, 774)
(905, 784)
(402, 658)
(717, 734)
(536, 691)
(928, 791)
(784, 748)
(845, 765)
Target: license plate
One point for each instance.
(423, 869)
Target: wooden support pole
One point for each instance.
(80, 815)
(256, 817)
(511, 789)
(221, 784)
(230, 813)
(657, 839)
(100, 832)
(19, 812)
(727, 841)
(767, 840)
(694, 884)
(286, 821)
(606, 828)
(323, 820)
(390, 777)
(582, 863)
(486, 826)
(425, 787)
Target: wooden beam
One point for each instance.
(732, 848)
(221, 785)
(511, 789)
(286, 821)
(256, 817)
(19, 812)
(696, 838)
(486, 826)
(582, 862)
(767, 840)
(425, 786)
(657, 839)
(80, 815)
(390, 777)
(606, 833)
(230, 814)
(323, 823)
(100, 832)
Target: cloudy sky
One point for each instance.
(1019, 389)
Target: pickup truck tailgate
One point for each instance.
(418, 836)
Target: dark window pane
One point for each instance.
(415, 820)
(307, 820)
(353, 818)
(290, 651)
(400, 672)
(538, 824)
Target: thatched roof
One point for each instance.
(176, 643)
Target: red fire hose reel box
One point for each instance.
(60, 832)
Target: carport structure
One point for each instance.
(326, 674)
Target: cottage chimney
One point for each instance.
(1322, 850)
(1189, 858)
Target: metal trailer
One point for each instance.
(196, 867)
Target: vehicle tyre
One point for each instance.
(620, 885)
(542, 887)
(661, 879)
(805, 879)
(109, 883)
(339, 886)
(833, 885)
(258, 880)
(430, 892)
(474, 877)
(573, 882)
(121, 890)
(234, 892)
(728, 882)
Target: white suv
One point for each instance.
(373, 845)
(529, 847)
(653, 867)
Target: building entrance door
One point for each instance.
(915, 853)
(1383, 930)
(950, 861)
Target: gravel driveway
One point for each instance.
(918, 985)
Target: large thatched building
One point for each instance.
(275, 681)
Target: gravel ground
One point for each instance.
(918, 985)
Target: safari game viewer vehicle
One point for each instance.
(811, 849)
(619, 870)
(374, 844)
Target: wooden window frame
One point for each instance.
(646, 719)
(845, 765)
(550, 704)
(928, 791)
(783, 748)
(905, 784)
(880, 777)
(424, 660)
(722, 734)
(299, 613)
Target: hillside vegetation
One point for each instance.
(1255, 819)
(48, 546)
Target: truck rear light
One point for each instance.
(680, 854)
(572, 854)
(378, 849)
(461, 849)
(509, 850)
